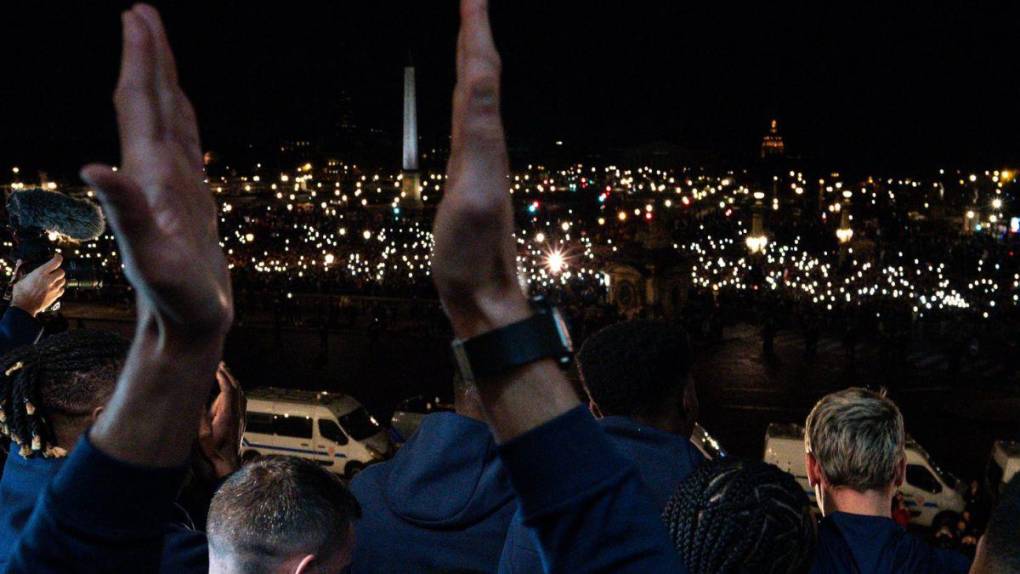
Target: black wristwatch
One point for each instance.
(544, 335)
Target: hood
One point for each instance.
(23, 481)
(663, 459)
(448, 475)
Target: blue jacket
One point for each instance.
(856, 544)
(584, 501)
(442, 503)
(92, 513)
(663, 460)
(17, 328)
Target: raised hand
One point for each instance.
(164, 218)
(222, 426)
(475, 260)
(160, 209)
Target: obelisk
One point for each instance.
(410, 185)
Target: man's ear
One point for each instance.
(95, 413)
(901, 472)
(305, 565)
(814, 470)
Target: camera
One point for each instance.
(41, 221)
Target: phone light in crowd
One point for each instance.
(1014, 225)
(997, 203)
(555, 261)
(329, 259)
(533, 208)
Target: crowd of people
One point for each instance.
(124, 454)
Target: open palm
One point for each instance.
(160, 209)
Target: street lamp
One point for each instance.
(757, 240)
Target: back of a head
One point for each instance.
(633, 368)
(59, 381)
(277, 509)
(734, 515)
(857, 437)
(999, 552)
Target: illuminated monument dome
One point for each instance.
(772, 143)
(410, 185)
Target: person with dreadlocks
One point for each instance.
(735, 516)
(637, 377)
(50, 393)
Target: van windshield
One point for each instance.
(359, 424)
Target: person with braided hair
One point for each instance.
(637, 378)
(50, 393)
(733, 515)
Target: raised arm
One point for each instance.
(475, 259)
(106, 510)
(584, 501)
(165, 220)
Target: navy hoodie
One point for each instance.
(585, 502)
(17, 328)
(24, 479)
(857, 544)
(442, 503)
(663, 461)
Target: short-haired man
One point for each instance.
(281, 515)
(637, 377)
(854, 444)
(999, 549)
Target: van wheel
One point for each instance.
(946, 517)
(353, 468)
(250, 456)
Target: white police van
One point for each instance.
(332, 429)
(931, 494)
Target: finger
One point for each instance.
(177, 112)
(136, 99)
(59, 284)
(477, 126)
(228, 388)
(123, 201)
(53, 264)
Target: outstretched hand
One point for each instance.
(158, 205)
(475, 260)
(164, 218)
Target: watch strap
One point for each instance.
(535, 338)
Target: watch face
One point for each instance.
(561, 329)
(463, 363)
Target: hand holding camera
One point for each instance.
(40, 289)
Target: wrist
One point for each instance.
(472, 316)
(19, 304)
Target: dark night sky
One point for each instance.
(851, 86)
